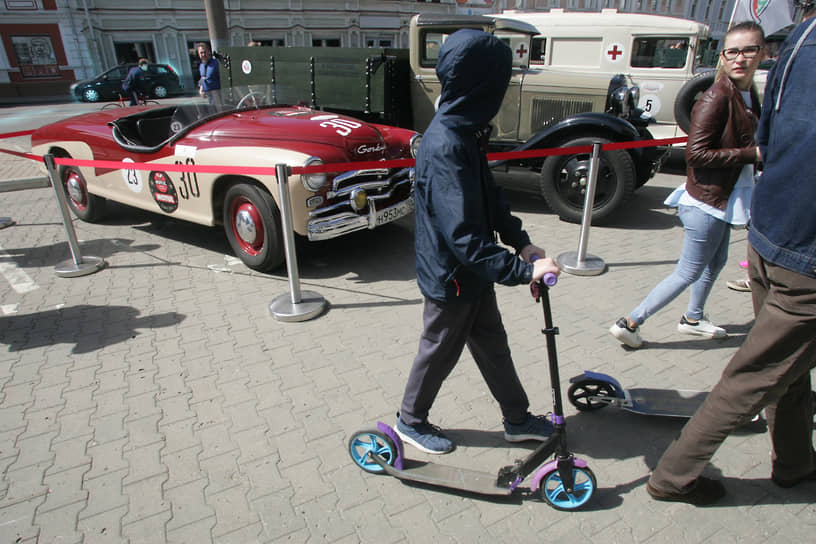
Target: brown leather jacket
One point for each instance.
(720, 142)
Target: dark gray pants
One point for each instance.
(771, 370)
(447, 328)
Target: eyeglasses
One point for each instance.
(748, 52)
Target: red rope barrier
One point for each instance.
(327, 168)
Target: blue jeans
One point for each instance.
(705, 250)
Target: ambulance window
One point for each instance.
(659, 52)
(431, 43)
(539, 50)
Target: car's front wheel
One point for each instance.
(565, 178)
(253, 226)
(83, 204)
(90, 95)
(160, 91)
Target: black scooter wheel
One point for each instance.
(581, 392)
(372, 441)
(584, 486)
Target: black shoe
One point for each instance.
(704, 491)
(795, 481)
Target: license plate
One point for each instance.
(395, 212)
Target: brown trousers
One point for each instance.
(771, 370)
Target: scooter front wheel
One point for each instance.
(552, 489)
(583, 394)
(375, 442)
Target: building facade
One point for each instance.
(48, 44)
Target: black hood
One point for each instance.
(474, 68)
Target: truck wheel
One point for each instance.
(564, 180)
(687, 96)
(253, 226)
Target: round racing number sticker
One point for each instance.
(133, 178)
(163, 191)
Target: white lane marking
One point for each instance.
(9, 309)
(17, 278)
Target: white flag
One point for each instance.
(771, 15)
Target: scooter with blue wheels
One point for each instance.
(564, 481)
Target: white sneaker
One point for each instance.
(625, 334)
(703, 327)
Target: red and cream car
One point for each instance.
(323, 205)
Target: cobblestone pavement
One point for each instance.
(158, 401)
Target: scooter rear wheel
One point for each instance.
(552, 489)
(377, 443)
(581, 392)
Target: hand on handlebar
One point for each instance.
(545, 266)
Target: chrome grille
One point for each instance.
(381, 185)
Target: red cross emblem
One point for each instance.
(614, 52)
(522, 51)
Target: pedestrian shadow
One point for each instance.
(87, 327)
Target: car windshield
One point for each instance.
(154, 127)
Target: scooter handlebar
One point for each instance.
(549, 279)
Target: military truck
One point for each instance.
(540, 110)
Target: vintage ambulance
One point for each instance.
(659, 53)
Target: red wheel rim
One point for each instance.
(76, 190)
(247, 225)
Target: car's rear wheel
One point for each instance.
(83, 204)
(564, 180)
(160, 91)
(253, 226)
(90, 95)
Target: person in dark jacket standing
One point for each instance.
(459, 210)
(720, 157)
(771, 370)
(209, 84)
(134, 82)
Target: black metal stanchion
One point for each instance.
(297, 305)
(579, 262)
(78, 265)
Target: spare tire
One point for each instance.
(688, 95)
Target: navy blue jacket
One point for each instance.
(134, 80)
(459, 208)
(783, 205)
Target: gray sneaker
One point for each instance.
(534, 428)
(703, 327)
(626, 334)
(424, 437)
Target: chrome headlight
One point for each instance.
(415, 140)
(634, 93)
(313, 182)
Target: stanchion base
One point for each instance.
(590, 266)
(311, 305)
(6, 222)
(89, 265)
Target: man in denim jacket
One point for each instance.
(771, 370)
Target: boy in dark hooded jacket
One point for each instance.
(459, 210)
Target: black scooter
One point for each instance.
(565, 481)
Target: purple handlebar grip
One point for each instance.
(549, 278)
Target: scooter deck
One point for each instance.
(665, 402)
(463, 479)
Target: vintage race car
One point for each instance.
(246, 134)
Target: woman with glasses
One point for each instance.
(720, 158)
